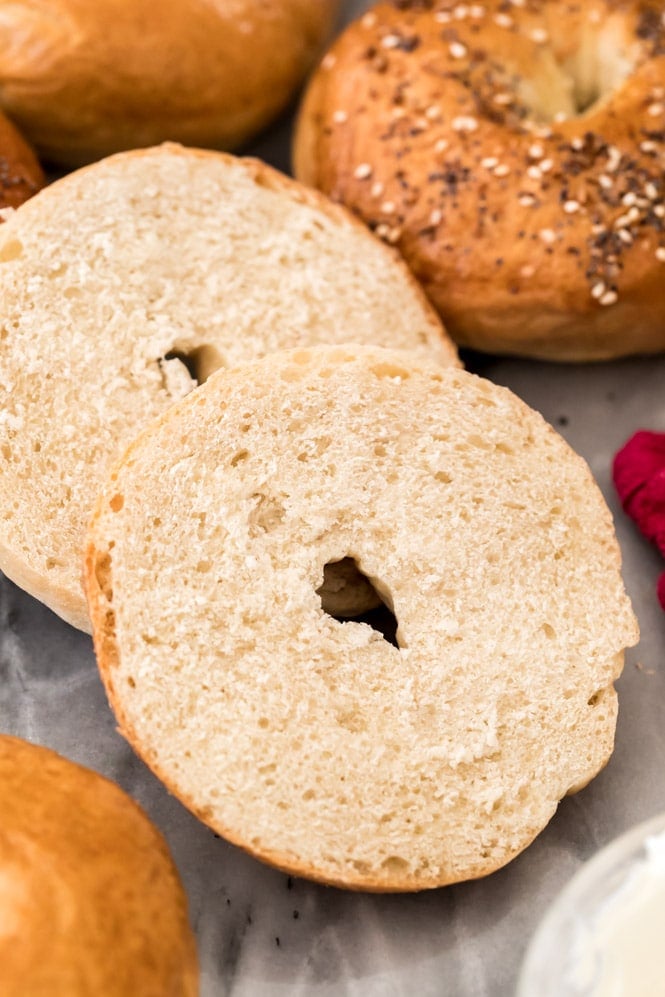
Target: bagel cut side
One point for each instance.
(123, 285)
(314, 743)
(90, 900)
(515, 154)
(21, 176)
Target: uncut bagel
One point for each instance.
(315, 744)
(119, 280)
(21, 175)
(85, 79)
(514, 153)
(90, 901)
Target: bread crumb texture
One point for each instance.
(124, 285)
(313, 742)
(90, 901)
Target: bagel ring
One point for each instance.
(319, 745)
(514, 153)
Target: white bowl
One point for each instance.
(604, 935)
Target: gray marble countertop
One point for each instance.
(261, 933)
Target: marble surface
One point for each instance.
(261, 933)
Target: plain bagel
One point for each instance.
(90, 900)
(21, 175)
(124, 285)
(84, 79)
(315, 743)
(514, 152)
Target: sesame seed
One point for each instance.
(501, 170)
(457, 50)
(502, 98)
(660, 254)
(570, 207)
(547, 235)
(377, 189)
(536, 151)
(605, 182)
(625, 236)
(433, 112)
(339, 117)
(534, 172)
(394, 235)
(489, 162)
(390, 41)
(539, 36)
(599, 229)
(461, 11)
(328, 61)
(476, 10)
(560, 117)
(363, 171)
(577, 144)
(651, 191)
(443, 16)
(464, 123)
(369, 20)
(526, 200)
(629, 199)
(659, 210)
(382, 230)
(528, 270)
(441, 145)
(613, 158)
(648, 146)
(546, 165)
(435, 217)
(655, 109)
(503, 20)
(598, 290)
(388, 207)
(609, 298)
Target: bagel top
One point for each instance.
(514, 153)
(123, 285)
(84, 80)
(21, 176)
(314, 743)
(90, 901)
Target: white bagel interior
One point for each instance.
(123, 281)
(315, 743)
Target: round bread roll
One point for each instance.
(124, 285)
(21, 175)
(85, 79)
(514, 152)
(90, 901)
(316, 744)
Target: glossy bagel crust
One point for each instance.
(85, 79)
(20, 174)
(90, 901)
(514, 153)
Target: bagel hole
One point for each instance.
(349, 594)
(198, 363)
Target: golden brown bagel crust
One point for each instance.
(312, 744)
(441, 125)
(20, 174)
(90, 901)
(87, 79)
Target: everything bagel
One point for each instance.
(513, 152)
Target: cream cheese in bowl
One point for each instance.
(604, 936)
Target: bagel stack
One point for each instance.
(21, 175)
(122, 286)
(514, 153)
(84, 80)
(90, 901)
(313, 743)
